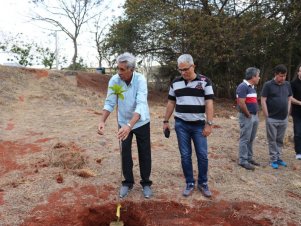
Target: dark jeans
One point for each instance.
(187, 132)
(144, 152)
(297, 133)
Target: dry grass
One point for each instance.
(55, 108)
(67, 156)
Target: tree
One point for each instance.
(46, 55)
(18, 49)
(224, 37)
(67, 15)
(23, 54)
(100, 41)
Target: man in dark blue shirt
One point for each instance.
(275, 100)
(248, 118)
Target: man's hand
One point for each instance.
(207, 130)
(124, 132)
(101, 128)
(166, 129)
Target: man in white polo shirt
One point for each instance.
(191, 96)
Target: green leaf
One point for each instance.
(118, 91)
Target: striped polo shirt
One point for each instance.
(247, 91)
(190, 97)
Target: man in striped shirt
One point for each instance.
(248, 119)
(191, 96)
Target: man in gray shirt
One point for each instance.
(275, 101)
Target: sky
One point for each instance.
(14, 19)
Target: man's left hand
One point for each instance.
(207, 130)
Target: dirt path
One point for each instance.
(56, 170)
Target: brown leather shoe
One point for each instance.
(247, 166)
(253, 162)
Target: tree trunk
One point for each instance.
(75, 52)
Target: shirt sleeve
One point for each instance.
(111, 99)
(171, 93)
(241, 91)
(264, 92)
(290, 92)
(141, 98)
(209, 94)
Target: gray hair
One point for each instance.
(185, 58)
(251, 72)
(127, 58)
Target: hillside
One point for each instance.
(56, 170)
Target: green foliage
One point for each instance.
(224, 39)
(2, 47)
(23, 54)
(118, 91)
(78, 66)
(46, 55)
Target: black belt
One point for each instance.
(197, 122)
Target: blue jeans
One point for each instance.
(248, 128)
(187, 131)
(297, 133)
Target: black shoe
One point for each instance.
(253, 162)
(247, 166)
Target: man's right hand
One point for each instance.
(101, 128)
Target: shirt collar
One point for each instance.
(132, 79)
(197, 77)
(245, 81)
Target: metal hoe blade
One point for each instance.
(118, 222)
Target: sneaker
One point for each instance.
(189, 189)
(205, 189)
(247, 166)
(298, 156)
(274, 165)
(147, 192)
(253, 162)
(124, 191)
(281, 163)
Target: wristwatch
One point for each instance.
(210, 123)
(129, 125)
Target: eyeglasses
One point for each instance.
(184, 69)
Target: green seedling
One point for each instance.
(118, 91)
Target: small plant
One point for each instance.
(118, 91)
